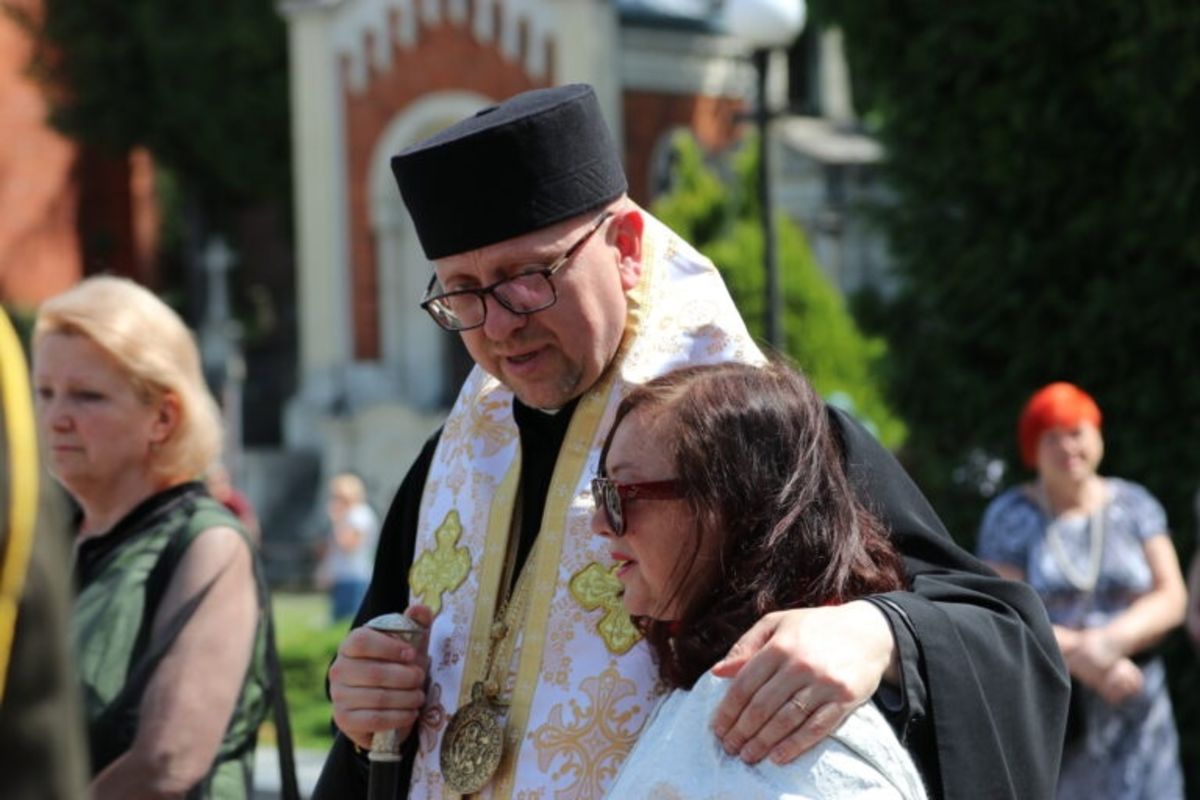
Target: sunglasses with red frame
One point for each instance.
(611, 496)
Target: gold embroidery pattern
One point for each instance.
(596, 587)
(558, 666)
(488, 425)
(595, 741)
(485, 428)
(443, 569)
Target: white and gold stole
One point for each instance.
(580, 683)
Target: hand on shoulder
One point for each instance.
(797, 675)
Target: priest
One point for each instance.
(532, 680)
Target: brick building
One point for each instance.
(65, 211)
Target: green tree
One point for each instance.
(201, 85)
(722, 220)
(1044, 161)
(1046, 171)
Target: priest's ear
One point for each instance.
(629, 225)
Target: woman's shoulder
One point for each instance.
(214, 528)
(1012, 513)
(210, 541)
(862, 756)
(1013, 500)
(871, 752)
(1126, 492)
(206, 512)
(1136, 502)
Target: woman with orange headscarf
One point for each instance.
(1098, 552)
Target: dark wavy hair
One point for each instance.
(763, 471)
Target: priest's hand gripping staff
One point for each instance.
(385, 745)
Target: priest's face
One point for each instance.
(552, 356)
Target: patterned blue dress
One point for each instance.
(1126, 752)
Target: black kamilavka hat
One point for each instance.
(538, 158)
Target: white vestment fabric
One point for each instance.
(677, 756)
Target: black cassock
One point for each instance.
(983, 702)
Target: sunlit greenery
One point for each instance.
(722, 219)
(307, 644)
(201, 85)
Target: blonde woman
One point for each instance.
(168, 625)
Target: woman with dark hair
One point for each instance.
(723, 491)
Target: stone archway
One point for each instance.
(421, 357)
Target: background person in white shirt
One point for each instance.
(349, 550)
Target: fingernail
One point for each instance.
(720, 730)
(750, 755)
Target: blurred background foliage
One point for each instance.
(308, 642)
(721, 217)
(201, 85)
(1045, 160)
(203, 88)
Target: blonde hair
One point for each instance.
(156, 350)
(349, 487)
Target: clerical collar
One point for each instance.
(543, 422)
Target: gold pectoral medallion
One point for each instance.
(473, 742)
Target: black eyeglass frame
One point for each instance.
(611, 496)
(547, 272)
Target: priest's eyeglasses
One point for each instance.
(611, 496)
(527, 292)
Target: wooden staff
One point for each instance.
(385, 745)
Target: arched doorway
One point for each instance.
(427, 363)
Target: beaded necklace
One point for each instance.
(1083, 580)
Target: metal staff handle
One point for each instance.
(385, 745)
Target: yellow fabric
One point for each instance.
(21, 467)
